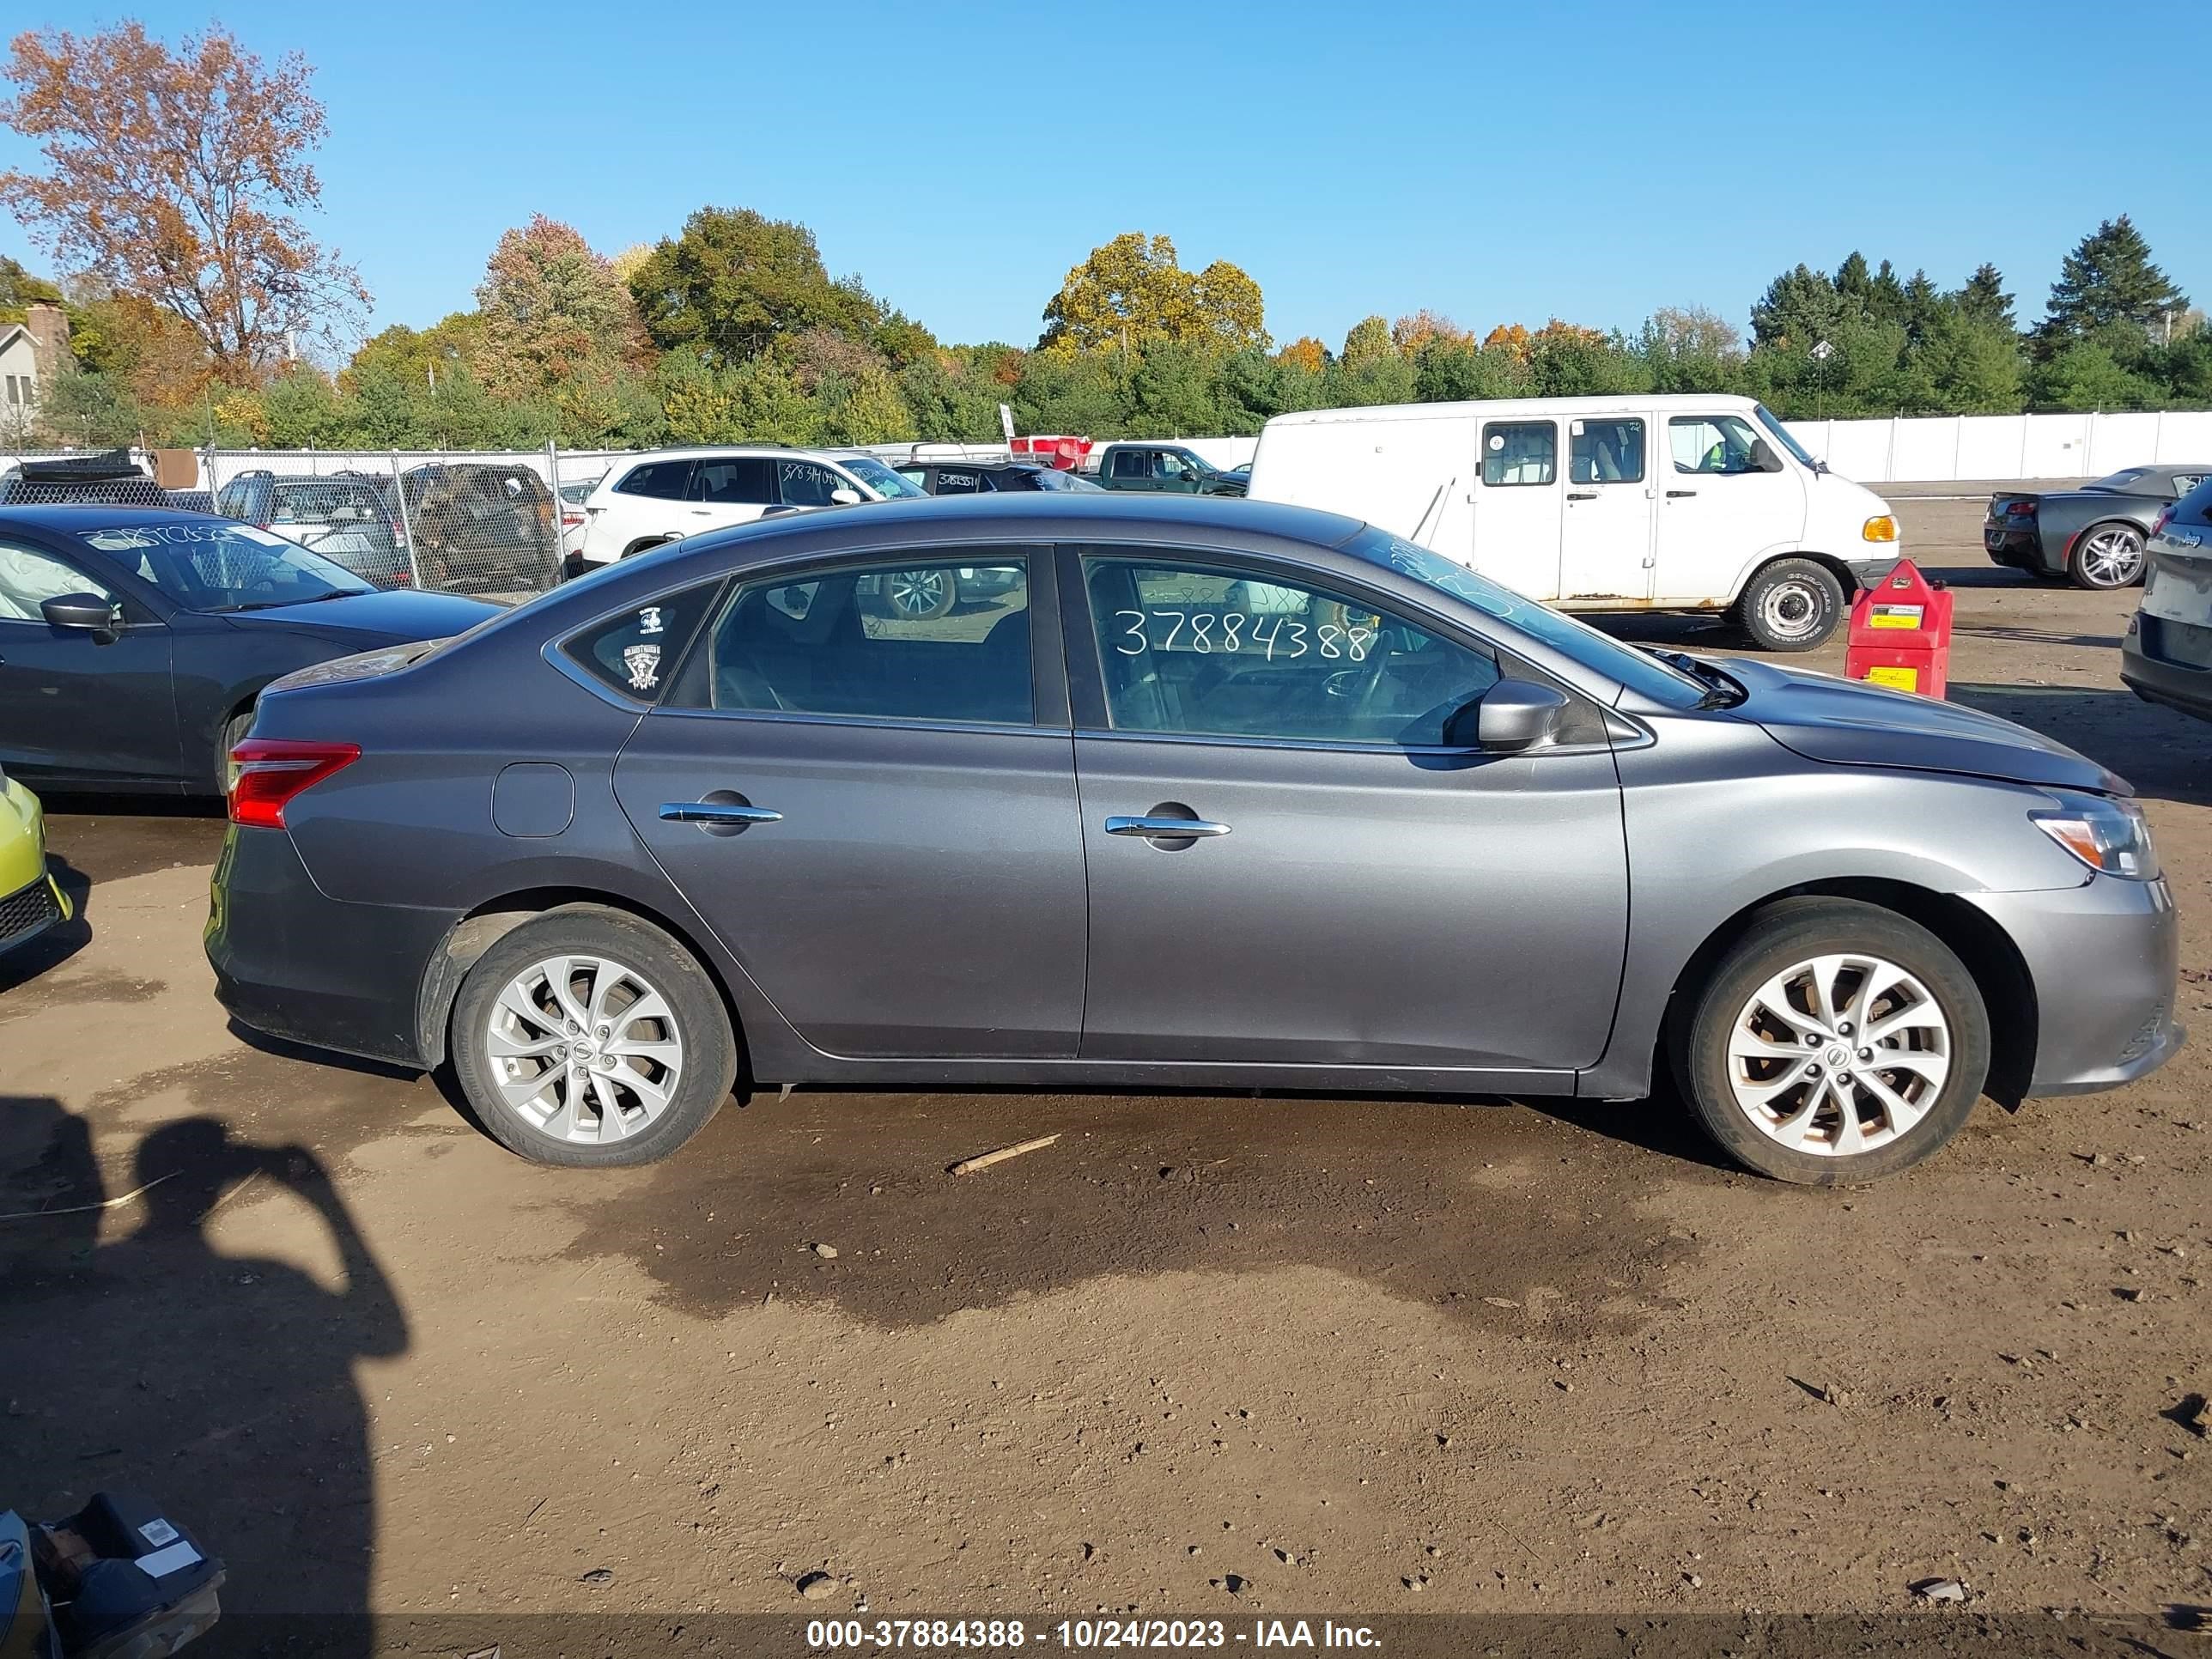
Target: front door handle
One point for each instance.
(716, 812)
(1582, 495)
(1168, 829)
(1677, 494)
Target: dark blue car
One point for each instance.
(134, 640)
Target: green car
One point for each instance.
(30, 899)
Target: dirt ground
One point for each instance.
(1212, 1356)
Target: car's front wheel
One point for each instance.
(1836, 1041)
(589, 1037)
(2106, 556)
(1793, 605)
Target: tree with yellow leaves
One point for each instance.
(1131, 294)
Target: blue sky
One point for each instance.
(1500, 164)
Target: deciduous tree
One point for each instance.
(556, 316)
(734, 281)
(181, 177)
(1131, 293)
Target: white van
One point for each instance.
(1626, 503)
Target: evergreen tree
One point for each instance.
(1984, 299)
(2107, 282)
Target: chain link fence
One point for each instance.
(492, 524)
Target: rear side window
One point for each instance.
(634, 653)
(1605, 452)
(952, 482)
(1520, 453)
(2195, 506)
(910, 642)
(664, 480)
(737, 481)
(1129, 464)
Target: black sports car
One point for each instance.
(2093, 536)
(134, 640)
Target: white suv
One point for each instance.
(674, 493)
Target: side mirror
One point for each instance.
(86, 610)
(1762, 457)
(1511, 718)
(843, 497)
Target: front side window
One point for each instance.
(808, 483)
(634, 653)
(28, 578)
(1520, 453)
(1605, 452)
(920, 639)
(886, 483)
(1172, 466)
(1193, 652)
(735, 481)
(662, 480)
(1714, 445)
(217, 565)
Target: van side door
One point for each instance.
(1604, 536)
(1517, 504)
(1721, 513)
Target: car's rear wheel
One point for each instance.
(589, 1037)
(2106, 556)
(1792, 605)
(1836, 1041)
(921, 595)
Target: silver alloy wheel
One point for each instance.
(1839, 1055)
(1790, 610)
(584, 1048)
(918, 594)
(2113, 557)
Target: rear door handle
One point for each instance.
(1582, 495)
(1170, 829)
(716, 812)
(1677, 494)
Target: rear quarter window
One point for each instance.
(634, 652)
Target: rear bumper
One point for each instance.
(2022, 550)
(2105, 958)
(294, 964)
(2172, 684)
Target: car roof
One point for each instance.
(1053, 515)
(697, 452)
(69, 517)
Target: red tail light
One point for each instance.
(2158, 524)
(271, 770)
(2020, 509)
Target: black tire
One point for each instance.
(701, 1023)
(233, 730)
(1790, 932)
(1791, 604)
(2084, 569)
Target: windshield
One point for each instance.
(206, 565)
(1782, 435)
(891, 486)
(1639, 671)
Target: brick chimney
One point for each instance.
(50, 333)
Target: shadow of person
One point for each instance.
(222, 1385)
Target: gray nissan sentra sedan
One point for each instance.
(1182, 793)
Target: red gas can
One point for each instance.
(1901, 633)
